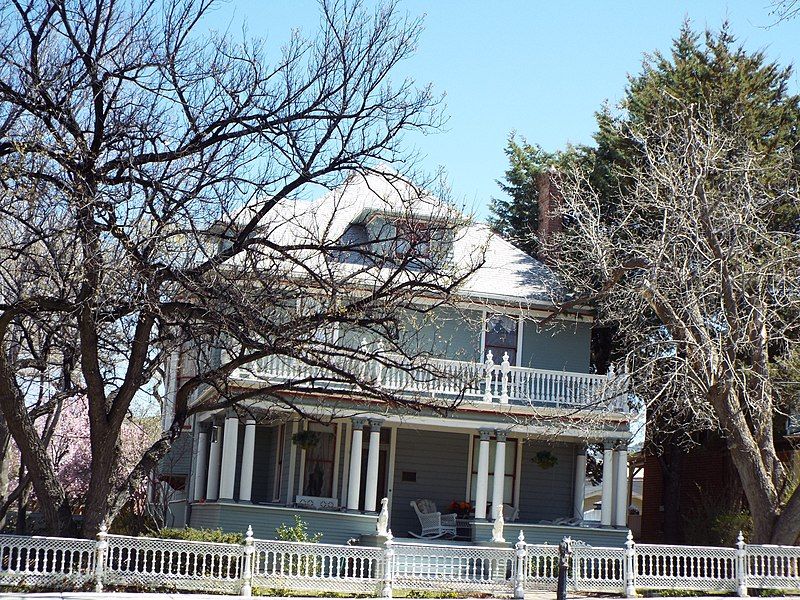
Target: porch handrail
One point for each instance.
(488, 382)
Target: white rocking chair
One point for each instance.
(432, 522)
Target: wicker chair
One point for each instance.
(432, 522)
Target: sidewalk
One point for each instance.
(177, 596)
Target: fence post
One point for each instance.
(100, 553)
(388, 565)
(247, 566)
(522, 567)
(630, 566)
(564, 559)
(741, 567)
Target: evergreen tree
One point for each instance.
(747, 92)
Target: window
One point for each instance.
(413, 239)
(501, 337)
(509, 475)
(319, 462)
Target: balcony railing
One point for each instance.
(488, 382)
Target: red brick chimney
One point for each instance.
(549, 210)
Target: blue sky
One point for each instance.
(538, 68)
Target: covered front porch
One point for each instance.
(334, 475)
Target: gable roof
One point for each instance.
(507, 274)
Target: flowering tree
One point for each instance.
(69, 449)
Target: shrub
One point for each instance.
(191, 534)
(297, 532)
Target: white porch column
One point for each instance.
(248, 456)
(579, 488)
(212, 492)
(230, 440)
(354, 478)
(371, 491)
(607, 499)
(499, 473)
(621, 485)
(482, 486)
(201, 467)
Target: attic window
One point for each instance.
(413, 239)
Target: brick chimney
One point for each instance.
(549, 210)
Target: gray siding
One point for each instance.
(546, 493)
(544, 534)
(440, 462)
(446, 332)
(336, 527)
(179, 458)
(559, 347)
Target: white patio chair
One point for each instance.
(432, 522)
(510, 513)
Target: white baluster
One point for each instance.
(489, 366)
(505, 367)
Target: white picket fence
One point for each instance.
(176, 565)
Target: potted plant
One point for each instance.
(462, 508)
(305, 439)
(545, 459)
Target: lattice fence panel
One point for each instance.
(301, 566)
(598, 569)
(685, 567)
(542, 567)
(173, 564)
(773, 567)
(457, 568)
(45, 561)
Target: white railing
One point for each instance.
(32, 561)
(478, 382)
(691, 568)
(164, 564)
(309, 567)
(172, 564)
(455, 568)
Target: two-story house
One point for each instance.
(511, 411)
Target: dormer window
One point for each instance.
(413, 239)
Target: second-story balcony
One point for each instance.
(489, 382)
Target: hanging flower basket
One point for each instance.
(305, 439)
(545, 459)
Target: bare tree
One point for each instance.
(691, 270)
(152, 184)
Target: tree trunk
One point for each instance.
(105, 464)
(670, 462)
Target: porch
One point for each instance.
(262, 475)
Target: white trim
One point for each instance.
(520, 323)
(346, 474)
(390, 467)
(292, 458)
(484, 316)
(512, 309)
(336, 458)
